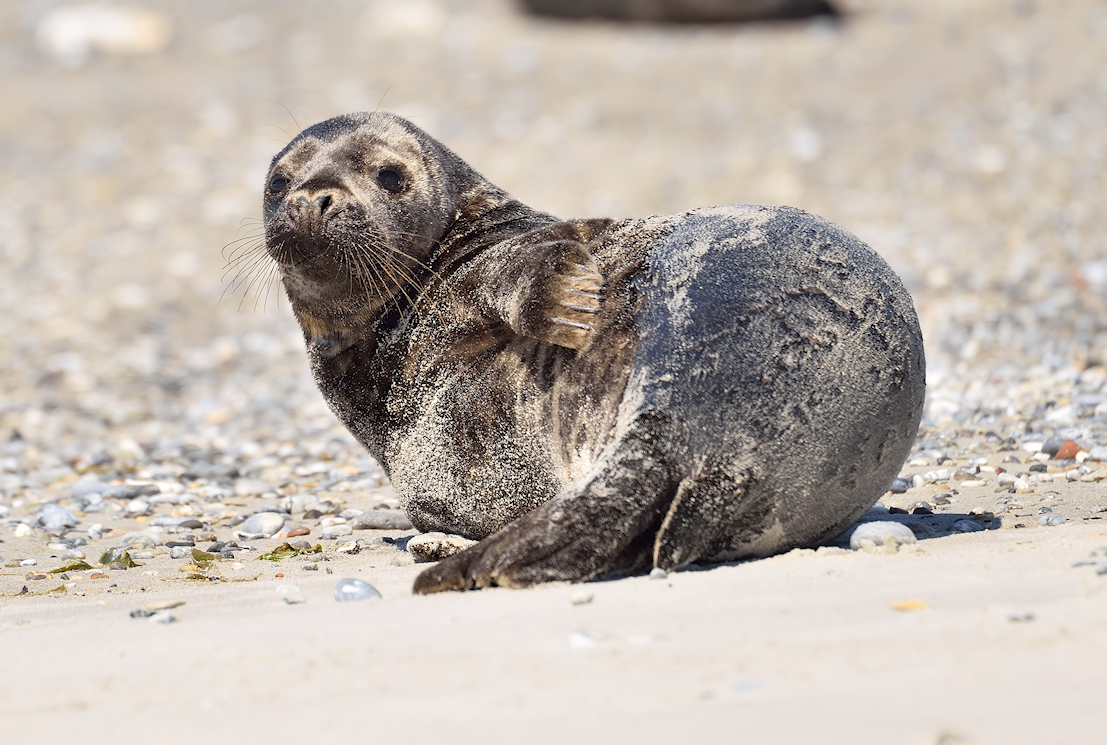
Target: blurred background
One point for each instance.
(963, 139)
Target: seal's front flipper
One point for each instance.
(561, 298)
(576, 535)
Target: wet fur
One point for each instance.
(591, 396)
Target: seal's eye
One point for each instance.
(390, 180)
(277, 184)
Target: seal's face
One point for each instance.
(353, 208)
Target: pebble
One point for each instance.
(140, 539)
(437, 546)
(23, 530)
(163, 617)
(335, 531)
(354, 589)
(95, 531)
(382, 520)
(73, 553)
(881, 533)
(180, 552)
(966, 526)
(138, 507)
(580, 640)
(54, 518)
(1052, 519)
(658, 573)
(28, 562)
(1068, 449)
(1051, 445)
(83, 488)
(899, 486)
(260, 525)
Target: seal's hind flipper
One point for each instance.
(574, 536)
(706, 507)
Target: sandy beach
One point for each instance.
(154, 393)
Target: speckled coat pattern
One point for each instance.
(750, 381)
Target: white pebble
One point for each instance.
(881, 533)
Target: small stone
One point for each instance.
(1099, 453)
(1068, 450)
(35, 575)
(73, 553)
(880, 533)
(580, 640)
(899, 486)
(140, 539)
(118, 566)
(54, 518)
(294, 599)
(297, 531)
(163, 617)
(262, 524)
(382, 520)
(1052, 519)
(354, 589)
(180, 552)
(437, 546)
(28, 562)
(86, 487)
(95, 531)
(581, 597)
(335, 531)
(966, 526)
(310, 567)
(138, 507)
(658, 573)
(1051, 445)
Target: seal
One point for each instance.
(590, 397)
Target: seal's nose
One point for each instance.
(320, 204)
(310, 211)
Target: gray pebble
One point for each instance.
(881, 533)
(180, 552)
(1052, 519)
(354, 589)
(335, 531)
(658, 573)
(1052, 444)
(966, 526)
(85, 487)
(140, 539)
(28, 562)
(899, 486)
(1098, 452)
(263, 524)
(54, 518)
(73, 553)
(382, 520)
(118, 566)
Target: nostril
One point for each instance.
(321, 203)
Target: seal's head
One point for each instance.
(354, 207)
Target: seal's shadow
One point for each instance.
(924, 526)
